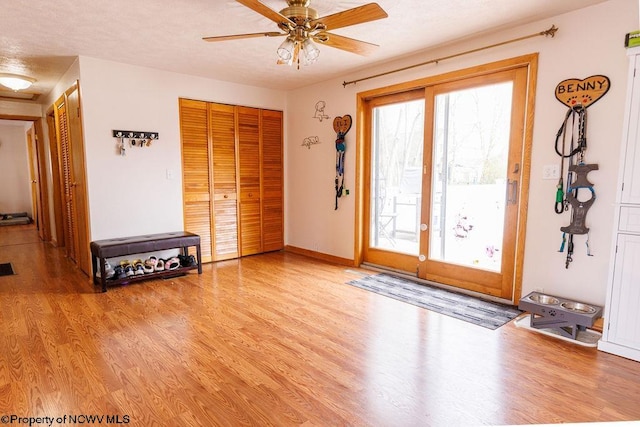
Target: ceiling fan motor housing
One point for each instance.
(299, 12)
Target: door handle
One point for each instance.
(512, 191)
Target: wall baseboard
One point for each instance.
(318, 255)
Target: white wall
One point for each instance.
(15, 187)
(141, 192)
(575, 52)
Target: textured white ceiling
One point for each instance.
(41, 38)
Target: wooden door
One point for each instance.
(249, 177)
(272, 181)
(34, 179)
(78, 183)
(62, 130)
(233, 178)
(70, 152)
(222, 130)
(474, 142)
(56, 180)
(209, 177)
(195, 173)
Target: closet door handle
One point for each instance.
(512, 191)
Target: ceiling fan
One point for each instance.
(302, 26)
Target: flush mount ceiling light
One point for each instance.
(15, 82)
(301, 26)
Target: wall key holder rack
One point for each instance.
(135, 139)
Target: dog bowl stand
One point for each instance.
(564, 315)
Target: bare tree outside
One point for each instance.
(469, 159)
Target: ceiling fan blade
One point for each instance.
(345, 43)
(242, 36)
(357, 15)
(265, 11)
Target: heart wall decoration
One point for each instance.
(576, 92)
(342, 124)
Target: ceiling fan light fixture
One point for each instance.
(285, 51)
(15, 82)
(310, 52)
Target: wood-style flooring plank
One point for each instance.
(277, 339)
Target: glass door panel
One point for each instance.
(474, 138)
(469, 176)
(396, 176)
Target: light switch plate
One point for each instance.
(550, 172)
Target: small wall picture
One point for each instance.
(320, 114)
(309, 141)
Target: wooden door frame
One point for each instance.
(363, 139)
(36, 202)
(55, 179)
(41, 172)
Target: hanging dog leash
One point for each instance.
(341, 126)
(579, 149)
(577, 95)
(340, 147)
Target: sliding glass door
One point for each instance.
(444, 180)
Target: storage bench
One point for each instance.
(109, 248)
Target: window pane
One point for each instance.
(471, 147)
(396, 178)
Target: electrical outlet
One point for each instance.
(550, 172)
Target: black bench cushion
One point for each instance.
(147, 243)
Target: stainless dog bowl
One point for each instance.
(578, 307)
(544, 299)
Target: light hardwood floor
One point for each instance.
(277, 339)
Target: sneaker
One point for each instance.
(150, 265)
(138, 267)
(109, 272)
(160, 265)
(172, 263)
(128, 270)
(119, 272)
(187, 260)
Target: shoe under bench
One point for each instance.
(123, 246)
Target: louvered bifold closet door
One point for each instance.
(195, 173)
(225, 193)
(249, 170)
(78, 183)
(272, 181)
(70, 238)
